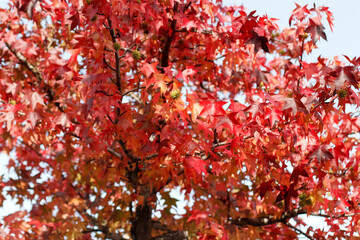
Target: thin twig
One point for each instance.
(24, 61)
(133, 90)
(115, 153)
(108, 65)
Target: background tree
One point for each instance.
(110, 105)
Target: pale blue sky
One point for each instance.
(343, 40)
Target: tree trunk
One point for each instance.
(141, 226)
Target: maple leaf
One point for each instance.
(255, 109)
(265, 187)
(75, 20)
(36, 99)
(8, 119)
(159, 81)
(12, 88)
(295, 104)
(187, 72)
(198, 216)
(33, 117)
(197, 164)
(62, 120)
(355, 61)
(250, 23)
(274, 115)
(259, 42)
(148, 69)
(212, 108)
(260, 77)
(28, 6)
(299, 13)
(343, 75)
(298, 171)
(286, 193)
(316, 31)
(227, 120)
(321, 153)
(194, 107)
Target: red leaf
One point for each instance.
(197, 164)
(321, 153)
(299, 13)
(259, 42)
(212, 108)
(33, 117)
(316, 31)
(35, 99)
(260, 77)
(227, 120)
(28, 7)
(148, 69)
(255, 109)
(343, 75)
(75, 20)
(298, 171)
(295, 104)
(265, 187)
(198, 216)
(14, 216)
(187, 72)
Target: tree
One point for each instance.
(110, 105)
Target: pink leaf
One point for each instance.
(35, 99)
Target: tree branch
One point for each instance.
(329, 216)
(264, 221)
(164, 61)
(133, 90)
(108, 65)
(24, 61)
(128, 153)
(176, 235)
(117, 56)
(115, 153)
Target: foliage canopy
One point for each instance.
(109, 105)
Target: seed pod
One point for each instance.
(136, 55)
(342, 93)
(117, 46)
(302, 196)
(175, 94)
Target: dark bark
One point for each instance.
(141, 225)
(265, 221)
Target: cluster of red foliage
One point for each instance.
(111, 104)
